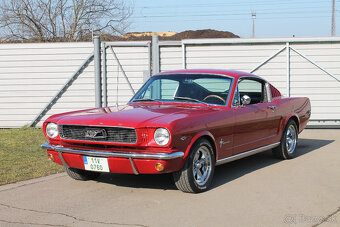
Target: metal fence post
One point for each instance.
(288, 69)
(97, 72)
(104, 76)
(149, 59)
(155, 54)
(184, 56)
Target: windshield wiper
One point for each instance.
(190, 99)
(142, 100)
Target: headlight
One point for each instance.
(162, 136)
(52, 130)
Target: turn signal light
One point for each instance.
(50, 157)
(159, 167)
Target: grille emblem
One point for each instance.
(95, 133)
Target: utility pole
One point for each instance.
(253, 16)
(333, 19)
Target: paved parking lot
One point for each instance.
(255, 191)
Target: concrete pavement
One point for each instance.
(255, 191)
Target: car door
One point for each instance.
(256, 122)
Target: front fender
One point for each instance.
(197, 137)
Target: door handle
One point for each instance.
(273, 108)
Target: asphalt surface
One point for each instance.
(255, 191)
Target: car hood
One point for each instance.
(132, 115)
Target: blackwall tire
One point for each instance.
(288, 143)
(79, 174)
(197, 174)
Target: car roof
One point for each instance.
(232, 73)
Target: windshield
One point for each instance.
(201, 88)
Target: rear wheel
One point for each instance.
(287, 147)
(197, 173)
(79, 174)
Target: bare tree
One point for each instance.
(49, 20)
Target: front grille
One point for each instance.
(97, 133)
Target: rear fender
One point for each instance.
(285, 122)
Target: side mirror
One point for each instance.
(245, 100)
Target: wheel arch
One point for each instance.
(295, 118)
(204, 134)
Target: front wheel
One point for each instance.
(79, 174)
(197, 173)
(287, 147)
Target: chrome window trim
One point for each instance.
(269, 93)
(236, 93)
(257, 78)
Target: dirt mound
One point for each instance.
(198, 34)
(145, 36)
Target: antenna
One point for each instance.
(333, 19)
(253, 16)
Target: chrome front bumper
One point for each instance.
(159, 156)
(132, 155)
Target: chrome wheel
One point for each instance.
(198, 171)
(288, 142)
(202, 165)
(291, 138)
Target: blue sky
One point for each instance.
(301, 18)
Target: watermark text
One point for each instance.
(302, 218)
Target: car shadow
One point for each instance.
(150, 181)
(233, 170)
(223, 173)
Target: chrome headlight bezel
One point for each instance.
(162, 136)
(52, 130)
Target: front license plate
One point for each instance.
(96, 164)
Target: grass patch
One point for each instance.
(21, 157)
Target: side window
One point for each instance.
(236, 100)
(255, 89)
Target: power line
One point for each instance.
(228, 4)
(224, 14)
(232, 19)
(245, 12)
(333, 19)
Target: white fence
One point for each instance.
(297, 67)
(31, 74)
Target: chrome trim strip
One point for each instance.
(159, 156)
(106, 126)
(133, 166)
(269, 93)
(63, 160)
(246, 154)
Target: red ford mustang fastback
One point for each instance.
(181, 122)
